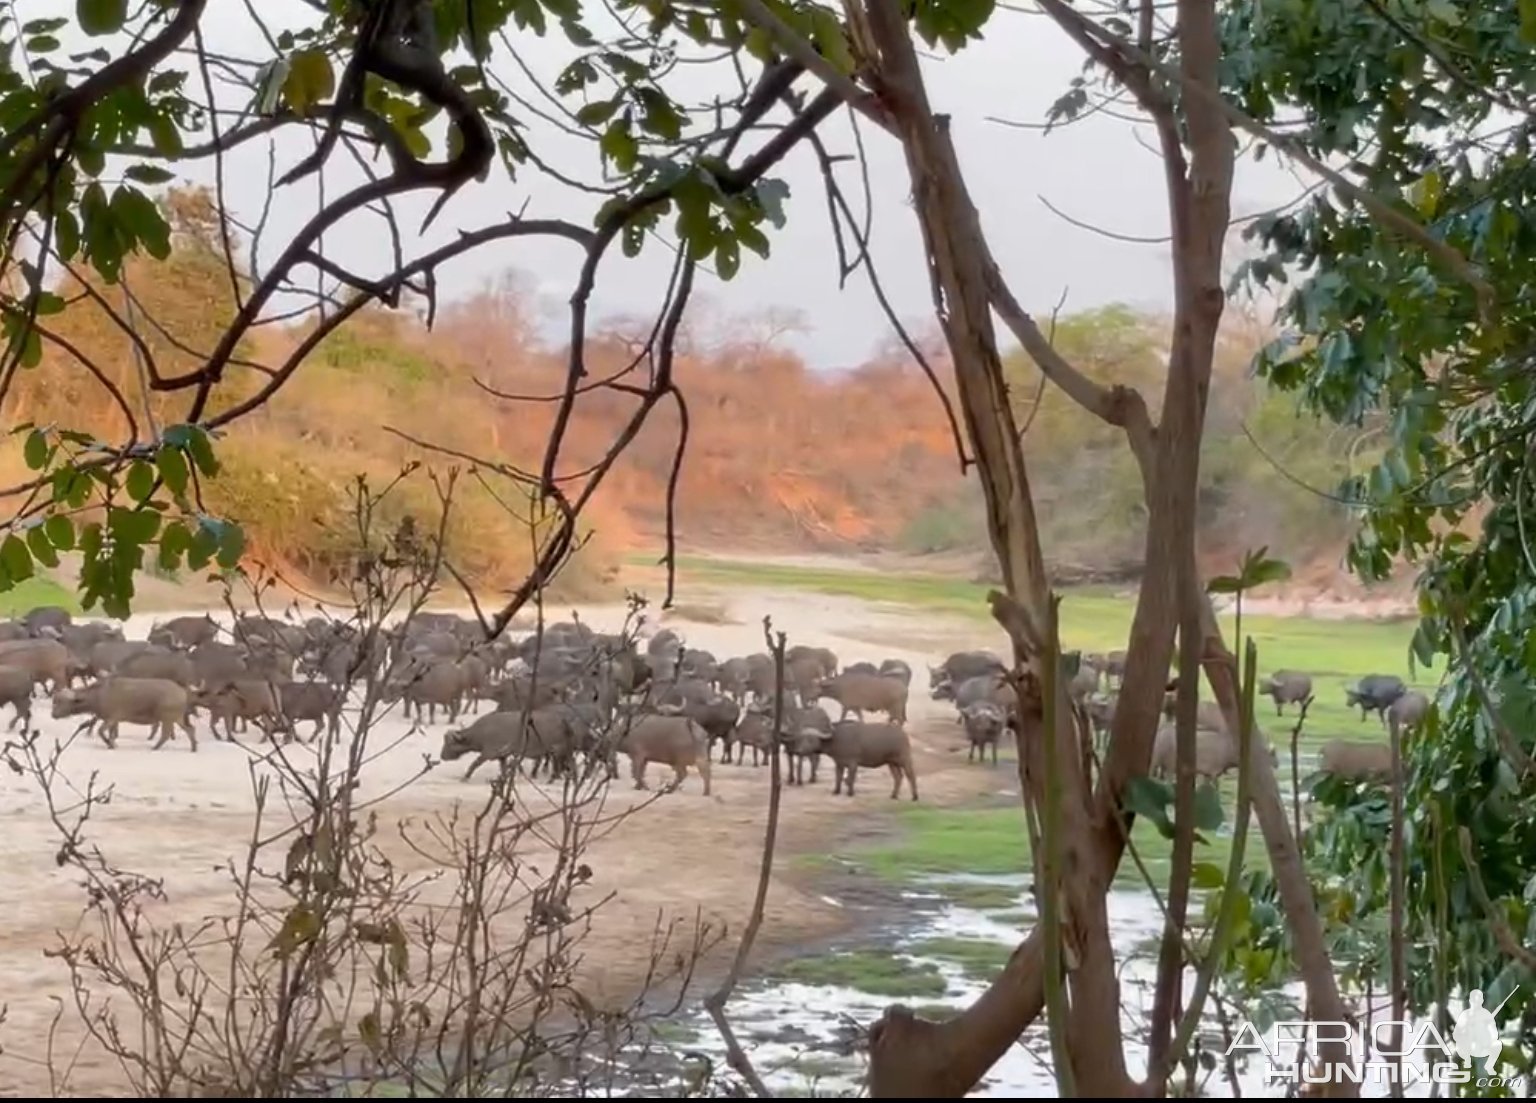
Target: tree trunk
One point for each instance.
(928, 1059)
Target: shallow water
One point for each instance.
(801, 1037)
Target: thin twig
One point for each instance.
(715, 1003)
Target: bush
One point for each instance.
(945, 526)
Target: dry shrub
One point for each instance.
(698, 613)
(437, 955)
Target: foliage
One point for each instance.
(88, 139)
(1428, 106)
(1086, 480)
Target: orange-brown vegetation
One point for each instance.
(779, 455)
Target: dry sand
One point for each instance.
(182, 816)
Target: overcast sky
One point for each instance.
(1099, 170)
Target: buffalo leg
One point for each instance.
(895, 781)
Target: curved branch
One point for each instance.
(840, 202)
(1131, 239)
(421, 266)
(68, 109)
(731, 181)
(89, 365)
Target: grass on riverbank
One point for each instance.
(936, 843)
(877, 972)
(26, 596)
(1336, 653)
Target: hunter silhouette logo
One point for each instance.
(1477, 1031)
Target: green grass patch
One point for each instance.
(668, 1032)
(1336, 653)
(981, 897)
(979, 958)
(818, 1066)
(37, 590)
(877, 972)
(1020, 918)
(993, 842)
(987, 841)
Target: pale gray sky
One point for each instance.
(1095, 170)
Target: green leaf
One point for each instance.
(174, 542)
(66, 234)
(148, 174)
(136, 213)
(575, 76)
(695, 222)
(165, 135)
(49, 303)
(300, 926)
(194, 439)
(634, 239)
(231, 546)
(140, 482)
(31, 348)
(1208, 811)
(98, 17)
(205, 542)
(1224, 584)
(71, 487)
(172, 465)
(310, 80)
(597, 112)
(42, 44)
(619, 145)
(661, 116)
(415, 141)
(36, 450)
(15, 558)
(831, 39)
(1259, 570)
(103, 245)
(61, 532)
(753, 238)
(133, 526)
(1528, 21)
(167, 80)
(759, 43)
(1207, 875)
(1426, 192)
(727, 257)
(1150, 797)
(90, 158)
(42, 550)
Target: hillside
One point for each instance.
(780, 457)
